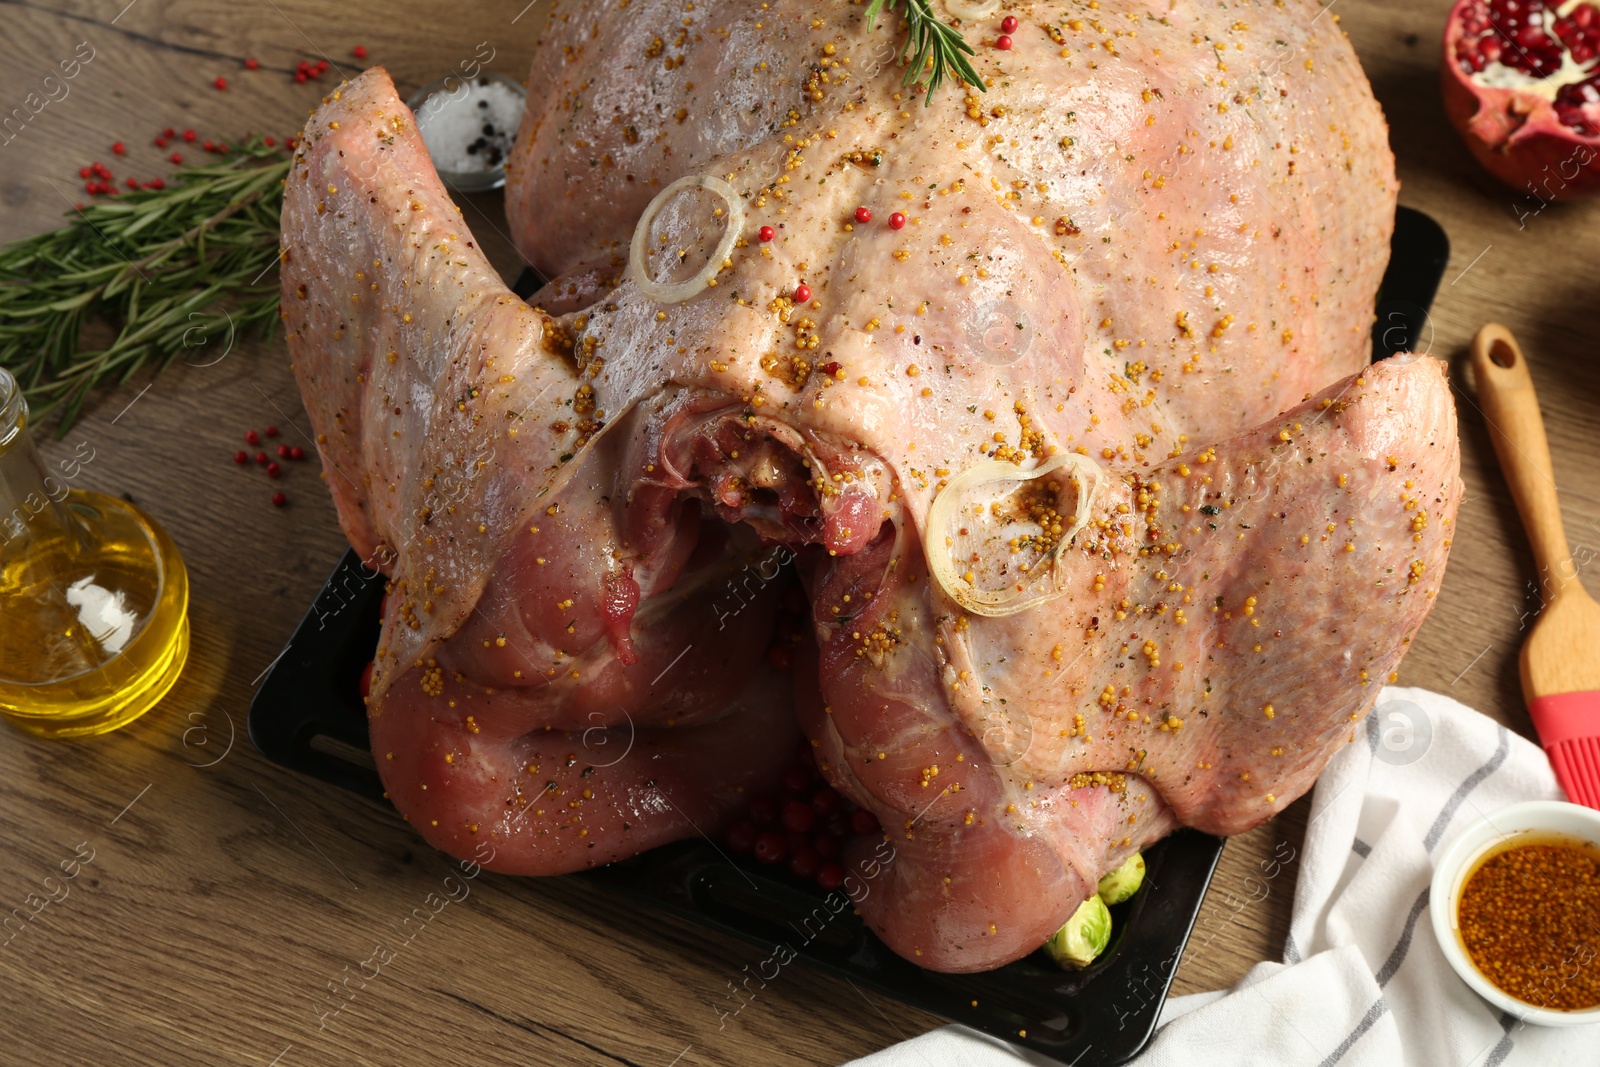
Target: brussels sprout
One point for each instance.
(1123, 882)
(1082, 937)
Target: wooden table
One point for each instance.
(227, 897)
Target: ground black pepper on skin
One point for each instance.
(1530, 921)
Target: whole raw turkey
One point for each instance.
(1103, 524)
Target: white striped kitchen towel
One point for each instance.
(1363, 983)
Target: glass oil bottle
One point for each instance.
(94, 598)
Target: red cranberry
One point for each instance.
(805, 863)
(797, 779)
(826, 845)
(770, 846)
(741, 836)
(798, 816)
(762, 811)
(864, 823)
(825, 801)
(830, 876)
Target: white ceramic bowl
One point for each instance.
(1456, 862)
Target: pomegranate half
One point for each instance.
(1522, 85)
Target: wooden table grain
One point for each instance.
(230, 910)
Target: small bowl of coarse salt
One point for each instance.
(469, 125)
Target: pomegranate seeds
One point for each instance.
(1522, 87)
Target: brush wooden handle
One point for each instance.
(1505, 393)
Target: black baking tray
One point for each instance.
(309, 716)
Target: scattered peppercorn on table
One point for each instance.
(174, 898)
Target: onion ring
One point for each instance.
(971, 10)
(677, 292)
(997, 603)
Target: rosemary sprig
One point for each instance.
(927, 37)
(169, 271)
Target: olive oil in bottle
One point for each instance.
(94, 598)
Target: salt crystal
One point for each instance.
(470, 127)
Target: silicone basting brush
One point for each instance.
(1561, 658)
